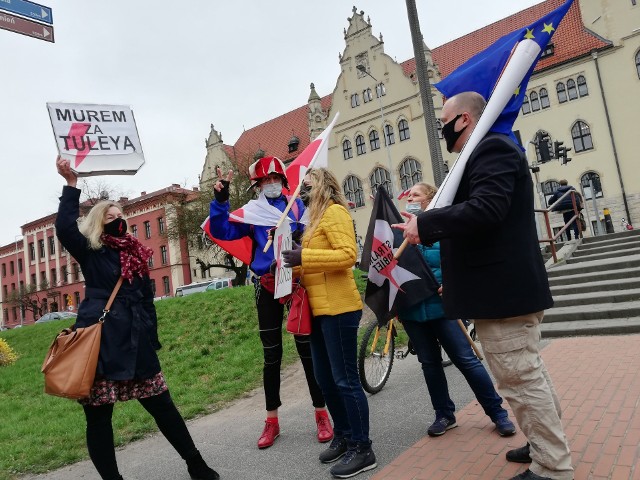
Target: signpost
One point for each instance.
(28, 9)
(25, 27)
(23, 16)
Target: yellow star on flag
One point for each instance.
(529, 34)
(517, 92)
(548, 28)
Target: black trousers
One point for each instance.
(270, 314)
(100, 432)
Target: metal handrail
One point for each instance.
(552, 238)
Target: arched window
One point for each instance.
(588, 179)
(374, 140)
(352, 187)
(544, 98)
(355, 100)
(583, 90)
(389, 136)
(526, 107)
(439, 127)
(347, 151)
(380, 178)
(562, 92)
(535, 103)
(638, 63)
(410, 173)
(380, 90)
(366, 95)
(548, 189)
(571, 89)
(403, 130)
(581, 134)
(361, 148)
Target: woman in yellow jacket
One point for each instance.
(324, 264)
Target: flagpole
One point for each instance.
(284, 215)
(470, 340)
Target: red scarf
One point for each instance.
(134, 256)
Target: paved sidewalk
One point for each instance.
(598, 382)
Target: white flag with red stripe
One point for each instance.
(261, 212)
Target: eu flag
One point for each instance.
(482, 72)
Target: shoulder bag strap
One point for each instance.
(107, 307)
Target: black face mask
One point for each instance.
(116, 228)
(305, 194)
(450, 135)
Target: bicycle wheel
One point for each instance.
(374, 366)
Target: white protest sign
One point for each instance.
(284, 275)
(97, 139)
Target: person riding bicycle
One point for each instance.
(428, 328)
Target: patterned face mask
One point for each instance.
(116, 228)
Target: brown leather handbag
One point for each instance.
(71, 362)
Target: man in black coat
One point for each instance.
(493, 273)
(566, 207)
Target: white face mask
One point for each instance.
(272, 190)
(414, 208)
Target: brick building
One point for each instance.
(36, 261)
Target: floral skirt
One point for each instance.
(104, 391)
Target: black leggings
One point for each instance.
(270, 312)
(100, 432)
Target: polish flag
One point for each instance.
(404, 194)
(241, 248)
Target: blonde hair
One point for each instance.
(325, 190)
(428, 190)
(92, 225)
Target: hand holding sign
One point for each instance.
(64, 169)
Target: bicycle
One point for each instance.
(375, 357)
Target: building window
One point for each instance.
(361, 149)
(380, 178)
(54, 277)
(161, 225)
(12, 268)
(150, 261)
(586, 180)
(52, 245)
(526, 107)
(544, 98)
(41, 248)
(367, 95)
(583, 90)
(572, 91)
(638, 63)
(374, 140)
(347, 151)
(34, 280)
(165, 284)
(147, 229)
(355, 100)
(562, 92)
(77, 295)
(163, 254)
(548, 189)
(439, 128)
(535, 102)
(381, 91)
(134, 230)
(389, 136)
(403, 130)
(64, 272)
(15, 313)
(19, 265)
(352, 187)
(548, 50)
(5, 292)
(76, 271)
(581, 134)
(410, 173)
(43, 278)
(153, 287)
(6, 314)
(4, 269)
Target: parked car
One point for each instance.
(51, 316)
(219, 283)
(192, 288)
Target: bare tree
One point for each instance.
(96, 189)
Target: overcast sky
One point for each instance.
(182, 66)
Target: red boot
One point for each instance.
(270, 433)
(325, 430)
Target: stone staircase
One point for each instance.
(597, 289)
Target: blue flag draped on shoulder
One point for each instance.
(482, 72)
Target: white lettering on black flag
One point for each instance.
(97, 139)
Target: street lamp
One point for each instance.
(363, 69)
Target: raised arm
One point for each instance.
(68, 212)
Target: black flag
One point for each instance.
(392, 283)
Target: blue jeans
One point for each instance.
(425, 337)
(334, 350)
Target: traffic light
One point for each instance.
(561, 152)
(543, 147)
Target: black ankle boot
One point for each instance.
(199, 470)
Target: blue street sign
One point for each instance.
(28, 9)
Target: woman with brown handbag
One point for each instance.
(128, 366)
(324, 264)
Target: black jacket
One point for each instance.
(566, 203)
(491, 261)
(129, 333)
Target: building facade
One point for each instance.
(36, 263)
